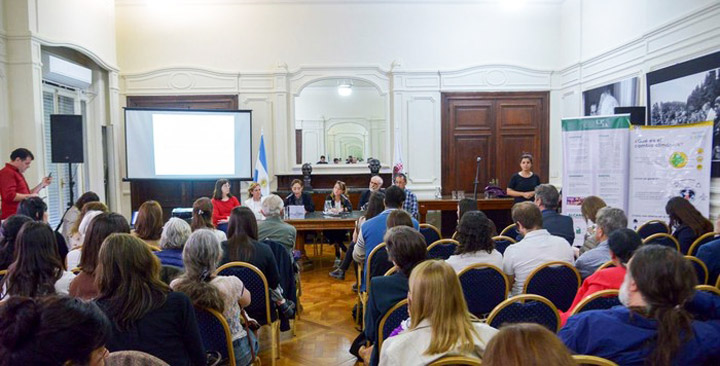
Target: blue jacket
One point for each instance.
(373, 232)
(385, 292)
(685, 236)
(709, 253)
(170, 257)
(558, 225)
(628, 339)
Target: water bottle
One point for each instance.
(438, 193)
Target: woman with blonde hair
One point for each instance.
(203, 217)
(589, 209)
(77, 231)
(255, 200)
(149, 224)
(440, 323)
(525, 344)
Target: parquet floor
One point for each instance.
(325, 329)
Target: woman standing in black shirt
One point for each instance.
(522, 184)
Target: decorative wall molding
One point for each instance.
(495, 78)
(181, 80)
(306, 75)
(44, 41)
(321, 2)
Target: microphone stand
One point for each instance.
(477, 172)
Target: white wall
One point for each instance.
(4, 112)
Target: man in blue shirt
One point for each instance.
(373, 230)
(662, 321)
(411, 202)
(608, 220)
(547, 200)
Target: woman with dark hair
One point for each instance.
(688, 222)
(466, 205)
(36, 209)
(52, 331)
(144, 313)
(243, 246)
(72, 215)
(77, 232)
(522, 184)
(375, 206)
(526, 344)
(399, 218)
(149, 224)
(202, 217)
(225, 294)
(222, 202)
(338, 202)
(8, 234)
(37, 270)
(476, 245)
(298, 197)
(83, 286)
(654, 327)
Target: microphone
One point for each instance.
(477, 173)
(478, 159)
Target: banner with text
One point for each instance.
(595, 161)
(669, 161)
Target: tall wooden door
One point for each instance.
(498, 128)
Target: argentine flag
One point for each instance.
(261, 174)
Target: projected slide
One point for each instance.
(185, 147)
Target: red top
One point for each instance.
(221, 209)
(11, 182)
(604, 279)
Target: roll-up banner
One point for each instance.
(669, 161)
(595, 161)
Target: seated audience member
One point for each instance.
(175, 233)
(77, 231)
(399, 218)
(243, 246)
(149, 223)
(83, 286)
(688, 223)
(623, 243)
(37, 270)
(654, 326)
(548, 200)
(373, 208)
(73, 214)
(537, 247)
(373, 230)
(36, 209)
(410, 203)
(226, 294)
(589, 208)
(255, 200)
(526, 344)
(298, 197)
(375, 186)
(710, 255)
(273, 227)
(8, 234)
(609, 219)
(476, 245)
(406, 249)
(202, 217)
(466, 205)
(73, 257)
(440, 323)
(52, 331)
(222, 202)
(144, 313)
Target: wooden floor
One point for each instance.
(325, 329)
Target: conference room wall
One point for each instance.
(4, 113)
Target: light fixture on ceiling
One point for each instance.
(345, 88)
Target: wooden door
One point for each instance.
(498, 127)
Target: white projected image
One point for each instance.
(194, 144)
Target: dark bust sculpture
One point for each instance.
(374, 165)
(307, 171)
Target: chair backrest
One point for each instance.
(484, 287)
(653, 227)
(76, 270)
(454, 235)
(133, 358)
(3, 273)
(700, 268)
(391, 320)
(154, 248)
(663, 239)
(702, 240)
(510, 230)
(717, 282)
(442, 249)
(525, 309)
(604, 299)
(592, 360)
(502, 242)
(709, 289)
(456, 360)
(377, 264)
(255, 282)
(607, 264)
(391, 271)
(556, 281)
(215, 333)
(430, 232)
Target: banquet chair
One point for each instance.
(215, 333)
(663, 239)
(604, 299)
(700, 268)
(502, 242)
(391, 320)
(484, 287)
(653, 227)
(525, 309)
(456, 361)
(592, 360)
(442, 249)
(511, 231)
(430, 233)
(702, 240)
(556, 281)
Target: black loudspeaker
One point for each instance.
(637, 114)
(66, 133)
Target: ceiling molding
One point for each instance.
(333, 2)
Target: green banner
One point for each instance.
(596, 123)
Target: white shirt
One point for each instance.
(255, 206)
(408, 347)
(462, 261)
(72, 260)
(219, 234)
(537, 248)
(62, 286)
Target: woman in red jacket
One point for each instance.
(223, 202)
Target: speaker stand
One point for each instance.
(70, 181)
